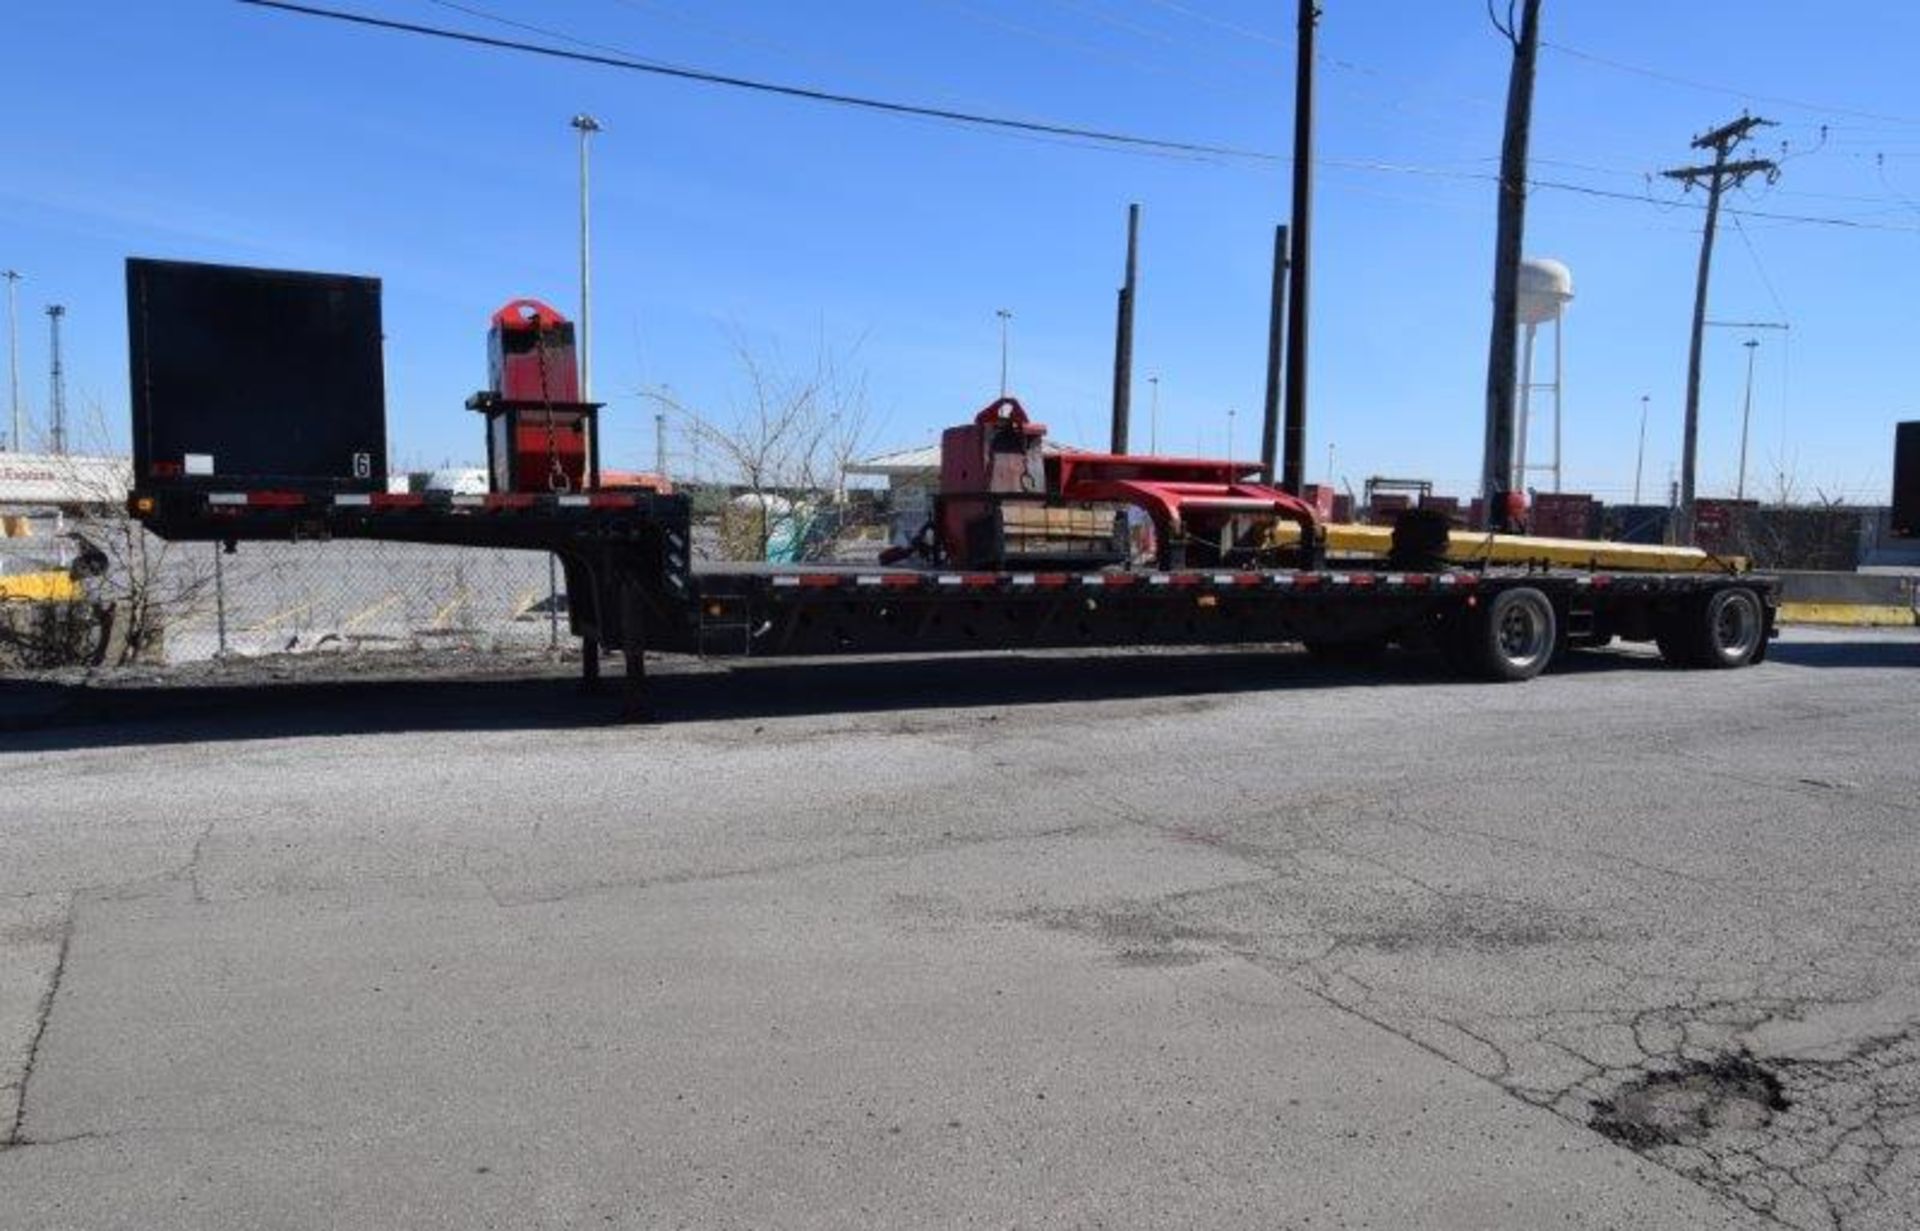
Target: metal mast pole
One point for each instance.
(1293, 468)
(1497, 464)
(1746, 418)
(1123, 341)
(1640, 458)
(1153, 416)
(1005, 316)
(587, 126)
(57, 407)
(1302, 232)
(13, 358)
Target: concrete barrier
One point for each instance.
(1857, 599)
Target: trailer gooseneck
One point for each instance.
(1025, 549)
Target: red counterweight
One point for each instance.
(530, 354)
(540, 436)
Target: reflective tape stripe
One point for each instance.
(352, 500)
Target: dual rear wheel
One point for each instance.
(1508, 637)
(1725, 629)
(1514, 634)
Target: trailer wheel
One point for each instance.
(1728, 629)
(1511, 637)
(1670, 635)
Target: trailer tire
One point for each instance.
(1670, 635)
(1727, 630)
(1510, 637)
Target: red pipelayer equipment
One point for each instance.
(1200, 506)
(1203, 510)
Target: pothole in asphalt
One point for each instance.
(1733, 1092)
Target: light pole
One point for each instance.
(1005, 316)
(1746, 416)
(1153, 416)
(13, 355)
(587, 126)
(57, 400)
(1640, 457)
(1230, 414)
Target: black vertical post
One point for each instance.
(1296, 390)
(1496, 468)
(1123, 341)
(1276, 347)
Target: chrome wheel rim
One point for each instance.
(1736, 626)
(1522, 634)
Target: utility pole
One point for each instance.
(13, 357)
(1640, 458)
(1746, 419)
(1005, 316)
(1230, 414)
(660, 444)
(1301, 242)
(587, 126)
(1497, 463)
(57, 402)
(1123, 341)
(1292, 471)
(1721, 173)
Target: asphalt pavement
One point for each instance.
(1132, 940)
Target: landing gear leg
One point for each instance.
(633, 700)
(589, 664)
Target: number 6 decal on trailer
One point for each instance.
(363, 465)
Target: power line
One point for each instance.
(630, 64)
(1775, 99)
(1026, 129)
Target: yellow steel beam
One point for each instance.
(1474, 547)
(52, 586)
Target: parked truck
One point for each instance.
(259, 414)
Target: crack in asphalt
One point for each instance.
(1842, 1154)
(16, 1130)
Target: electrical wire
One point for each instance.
(1774, 99)
(631, 64)
(1128, 142)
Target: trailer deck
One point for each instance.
(634, 586)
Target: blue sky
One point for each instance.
(202, 129)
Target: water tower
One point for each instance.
(1546, 288)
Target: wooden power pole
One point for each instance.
(1717, 176)
(1496, 468)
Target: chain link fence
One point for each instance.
(267, 598)
(189, 602)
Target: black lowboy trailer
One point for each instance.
(1017, 567)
